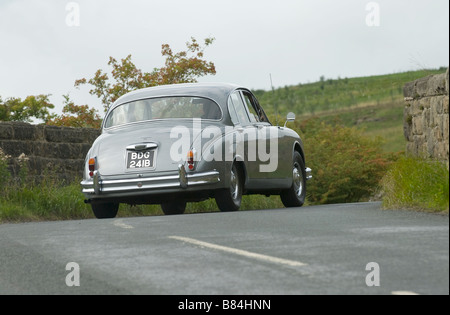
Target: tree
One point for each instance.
(181, 67)
(14, 109)
(76, 116)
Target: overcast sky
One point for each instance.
(45, 45)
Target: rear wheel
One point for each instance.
(173, 207)
(296, 195)
(229, 199)
(105, 210)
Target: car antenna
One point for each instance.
(276, 106)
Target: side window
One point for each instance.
(255, 108)
(254, 117)
(241, 113)
(232, 112)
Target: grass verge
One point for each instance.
(47, 201)
(417, 184)
(51, 201)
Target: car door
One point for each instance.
(267, 152)
(268, 142)
(259, 147)
(277, 162)
(244, 135)
(258, 140)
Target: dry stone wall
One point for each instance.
(426, 120)
(48, 149)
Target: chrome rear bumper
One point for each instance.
(99, 186)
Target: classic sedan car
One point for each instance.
(181, 143)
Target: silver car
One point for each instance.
(182, 143)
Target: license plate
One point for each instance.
(140, 159)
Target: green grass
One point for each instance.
(42, 202)
(415, 183)
(384, 121)
(373, 104)
(50, 201)
(333, 94)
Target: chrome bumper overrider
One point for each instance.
(308, 173)
(183, 180)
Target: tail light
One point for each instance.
(191, 160)
(92, 166)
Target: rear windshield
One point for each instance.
(163, 108)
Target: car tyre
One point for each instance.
(105, 210)
(173, 207)
(229, 199)
(296, 195)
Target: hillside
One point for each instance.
(373, 104)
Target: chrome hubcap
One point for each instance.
(298, 180)
(234, 183)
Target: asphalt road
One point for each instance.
(310, 250)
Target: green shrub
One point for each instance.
(347, 166)
(417, 183)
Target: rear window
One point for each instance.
(163, 108)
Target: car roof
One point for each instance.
(219, 92)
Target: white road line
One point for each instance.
(122, 225)
(404, 293)
(240, 252)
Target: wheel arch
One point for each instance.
(298, 147)
(242, 168)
